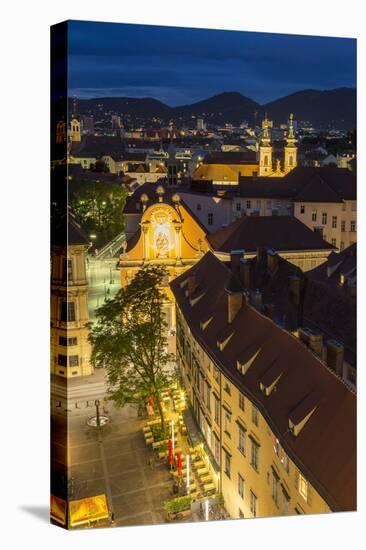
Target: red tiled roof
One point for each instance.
(325, 449)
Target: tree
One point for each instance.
(98, 207)
(129, 341)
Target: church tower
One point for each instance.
(290, 148)
(265, 151)
(74, 124)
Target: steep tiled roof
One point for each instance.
(327, 184)
(325, 449)
(279, 232)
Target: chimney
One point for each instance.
(235, 257)
(314, 340)
(296, 285)
(293, 318)
(245, 273)
(335, 355)
(272, 260)
(270, 310)
(256, 299)
(234, 303)
(261, 254)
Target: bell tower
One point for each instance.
(74, 132)
(265, 151)
(290, 148)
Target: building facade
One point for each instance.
(70, 348)
(263, 402)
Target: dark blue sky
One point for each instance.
(181, 66)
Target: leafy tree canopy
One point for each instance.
(98, 207)
(129, 340)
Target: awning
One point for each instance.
(88, 509)
(58, 510)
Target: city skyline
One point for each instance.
(182, 66)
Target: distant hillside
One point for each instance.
(329, 108)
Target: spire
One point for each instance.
(290, 139)
(74, 113)
(266, 140)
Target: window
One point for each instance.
(208, 397)
(343, 226)
(227, 388)
(227, 422)
(217, 410)
(210, 218)
(199, 207)
(334, 242)
(241, 439)
(249, 204)
(254, 415)
(324, 218)
(67, 341)
(241, 486)
(74, 361)
(238, 206)
(285, 502)
(254, 455)
(62, 360)
(217, 449)
(313, 215)
(353, 226)
(227, 464)
(275, 480)
(334, 222)
(67, 270)
(241, 402)
(302, 209)
(216, 374)
(285, 461)
(303, 487)
(253, 504)
(67, 311)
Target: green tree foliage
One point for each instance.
(98, 207)
(129, 341)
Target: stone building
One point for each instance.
(70, 349)
(278, 424)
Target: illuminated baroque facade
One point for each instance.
(168, 234)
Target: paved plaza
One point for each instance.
(115, 462)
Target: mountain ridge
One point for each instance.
(335, 107)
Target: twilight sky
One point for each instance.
(180, 66)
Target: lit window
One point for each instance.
(324, 218)
(253, 504)
(303, 487)
(227, 464)
(241, 486)
(334, 222)
(254, 455)
(313, 215)
(241, 439)
(343, 226)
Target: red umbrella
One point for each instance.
(170, 447)
(179, 464)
